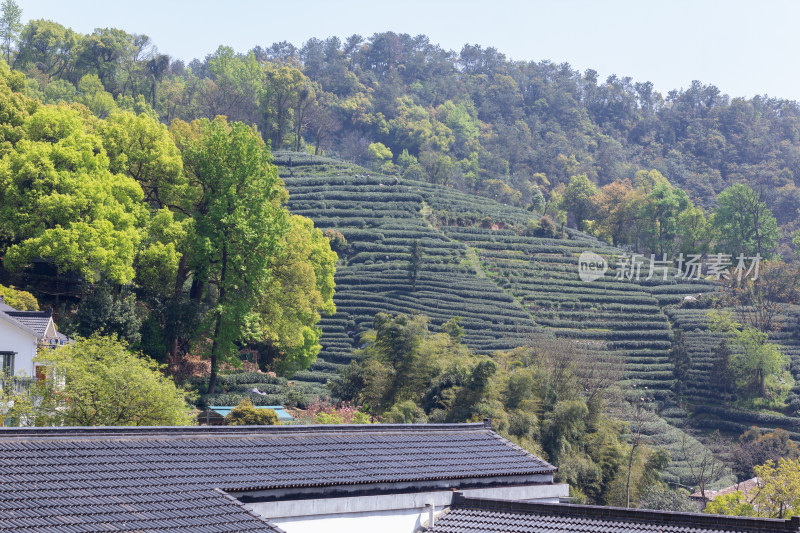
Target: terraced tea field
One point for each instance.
(703, 390)
(380, 218)
(506, 285)
(542, 274)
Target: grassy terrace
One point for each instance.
(704, 394)
(505, 286)
(542, 274)
(380, 217)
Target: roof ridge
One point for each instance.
(175, 431)
(43, 314)
(252, 513)
(13, 321)
(739, 523)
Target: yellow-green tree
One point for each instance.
(301, 289)
(19, 300)
(732, 504)
(246, 414)
(60, 201)
(776, 496)
(99, 382)
(778, 492)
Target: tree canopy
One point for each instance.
(98, 381)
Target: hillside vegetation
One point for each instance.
(522, 285)
(317, 214)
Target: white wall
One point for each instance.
(14, 339)
(389, 513)
(399, 521)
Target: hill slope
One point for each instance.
(504, 285)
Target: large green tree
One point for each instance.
(659, 212)
(240, 224)
(301, 289)
(578, 199)
(745, 223)
(59, 200)
(760, 368)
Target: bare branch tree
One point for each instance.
(704, 468)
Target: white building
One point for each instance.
(22, 333)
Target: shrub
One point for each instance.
(548, 229)
(245, 414)
(326, 412)
(19, 300)
(337, 240)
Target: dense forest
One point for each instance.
(197, 213)
(512, 130)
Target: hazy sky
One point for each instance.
(742, 47)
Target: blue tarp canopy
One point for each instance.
(223, 410)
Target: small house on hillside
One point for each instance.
(370, 478)
(22, 333)
(745, 487)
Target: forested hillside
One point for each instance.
(505, 281)
(471, 118)
(193, 211)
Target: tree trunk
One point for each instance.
(212, 381)
(180, 280)
(628, 481)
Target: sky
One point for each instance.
(745, 48)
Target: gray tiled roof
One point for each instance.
(34, 320)
(91, 475)
(467, 515)
(5, 316)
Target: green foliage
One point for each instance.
(19, 300)
(407, 412)
(732, 504)
(578, 199)
(61, 202)
(759, 366)
(452, 328)
(245, 414)
(94, 96)
(239, 227)
(337, 239)
(301, 288)
(664, 499)
(745, 223)
(105, 312)
(662, 208)
(142, 149)
(17, 408)
(546, 397)
(378, 153)
(98, 382)
(778, 495)
(10, 25)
